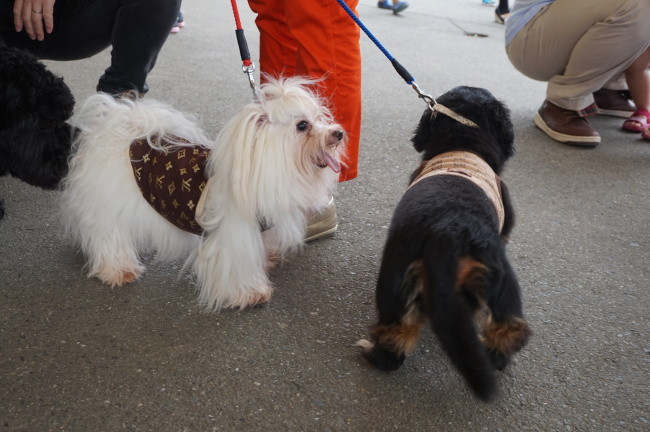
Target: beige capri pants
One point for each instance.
(581, 46)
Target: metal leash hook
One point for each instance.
(435, 108)
(428, 99)
(249, 70)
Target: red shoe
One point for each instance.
(638, 121)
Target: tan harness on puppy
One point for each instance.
(471, 167)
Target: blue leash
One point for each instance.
(401, 70)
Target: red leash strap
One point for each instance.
(241, 39)
(248, 67)
(235, 11)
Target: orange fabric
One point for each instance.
(318, 39)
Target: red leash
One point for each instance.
(248, 67)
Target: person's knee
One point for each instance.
(638, 14)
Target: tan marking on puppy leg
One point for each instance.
(506, 337)
(471, 275)
(402, 338)
(399, 339)
(415, 280)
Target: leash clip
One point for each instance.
(435, 107)
(249, 70)
(428, 99)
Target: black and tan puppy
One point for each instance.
(445, 259)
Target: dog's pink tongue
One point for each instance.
(332, 163)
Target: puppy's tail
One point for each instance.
(450, 278)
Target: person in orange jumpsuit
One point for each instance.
(317, 39)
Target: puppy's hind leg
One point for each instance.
(505, 331)
(399, 302)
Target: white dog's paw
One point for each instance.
(259, 297)
(272, 258)
(118, 277)
(255, 298)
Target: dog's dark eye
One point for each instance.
(302, 126)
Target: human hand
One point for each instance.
(31, 14)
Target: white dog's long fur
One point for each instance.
(265, 167)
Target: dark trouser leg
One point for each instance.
(137, 30)
(503, 7)
(141, 29)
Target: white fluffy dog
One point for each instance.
(266, 171)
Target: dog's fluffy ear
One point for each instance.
(29, 89)
(423, 132)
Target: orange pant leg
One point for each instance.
(318, 39)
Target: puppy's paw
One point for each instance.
(365, 344)
(380, 357)
(499, 360)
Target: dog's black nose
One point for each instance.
(338, 134)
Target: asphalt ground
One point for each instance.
(76, 355)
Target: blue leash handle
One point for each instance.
(401, 70)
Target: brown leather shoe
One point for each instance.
(566, 126)
(615, 103)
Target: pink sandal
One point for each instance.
(638, 121)
(645, 134)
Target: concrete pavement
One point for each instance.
(78, 356)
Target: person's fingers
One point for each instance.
(28, 19)
(48, 15)
(37, 21)
(18, 15)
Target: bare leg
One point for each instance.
(638, 81)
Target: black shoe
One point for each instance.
(499, 17)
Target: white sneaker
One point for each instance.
(322, 224)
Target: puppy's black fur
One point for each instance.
(445, 260)
(34, 107)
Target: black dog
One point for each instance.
(445, 257)
(34, 107)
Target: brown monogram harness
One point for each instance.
(171, 181)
